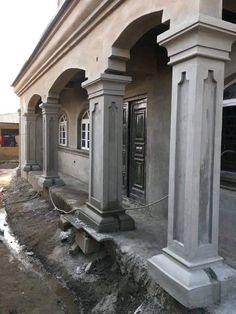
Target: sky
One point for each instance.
(22, 23)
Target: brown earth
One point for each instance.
(25, 286)
(101, 287)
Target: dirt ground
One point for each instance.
(99, 283)
(23, 291)
(25, 286)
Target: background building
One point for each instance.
(9, 136)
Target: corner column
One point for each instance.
(50, 109)
(18, 169)
(104, 210)
(30, 134)
(190, 268)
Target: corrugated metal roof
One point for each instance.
(9, 118)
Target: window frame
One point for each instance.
(63, 128)
(85, 131)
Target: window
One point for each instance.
(9, 137)
(63, 130)
(85, 131)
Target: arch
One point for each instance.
(130, 35)
(69, 75)
(34, 101)
(137, 28)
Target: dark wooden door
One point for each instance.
(137, 150)
(125, 147)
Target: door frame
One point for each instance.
(126, 187)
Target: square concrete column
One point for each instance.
(190, 268)
(30, 134)
(104, 210)
(50, 175)
(18, 169)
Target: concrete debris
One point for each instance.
(30, 253)
(74, 249)
(65, 235)
(86, 243)
(63, 224)
(107, 305)
(88, 267)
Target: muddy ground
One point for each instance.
(23, 290)
(97, 280)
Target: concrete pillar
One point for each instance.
(190, 268)
(30, 134)
(50, 109)
(104, 210)
(18, 169)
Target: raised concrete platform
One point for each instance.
(150, 236)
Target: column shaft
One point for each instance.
(30, 135)
(50, 144)
(190, 268)
(104, 209)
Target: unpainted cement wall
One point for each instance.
(71, 159)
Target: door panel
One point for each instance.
(137, 173)
(125, 147)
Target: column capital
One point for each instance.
(50, 108)
(107, 84)
(30, 113)
(203, 36)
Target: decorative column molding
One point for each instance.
(190, 268)
(50, 109)
(104, 210)
(30, 134)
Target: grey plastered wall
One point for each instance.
(71, 159)
(152, 76)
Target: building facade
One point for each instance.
(126, 96)
(9, 137)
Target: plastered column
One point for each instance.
(190, 268)
(104, 210)
(18, 169)
(30, 135)
(50, 109)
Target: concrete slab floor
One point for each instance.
(150, 235)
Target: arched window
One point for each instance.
(85, 131)
(63, 130)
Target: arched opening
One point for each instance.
(72, 159)
(63, 130)
(34, 135)
(146, 111)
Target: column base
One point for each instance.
(192, 287)
(18, 171)
(46, 182)
(31, 167)
(112, 222)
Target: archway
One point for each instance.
(33, 148)
(73, 159)
(146, 110)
